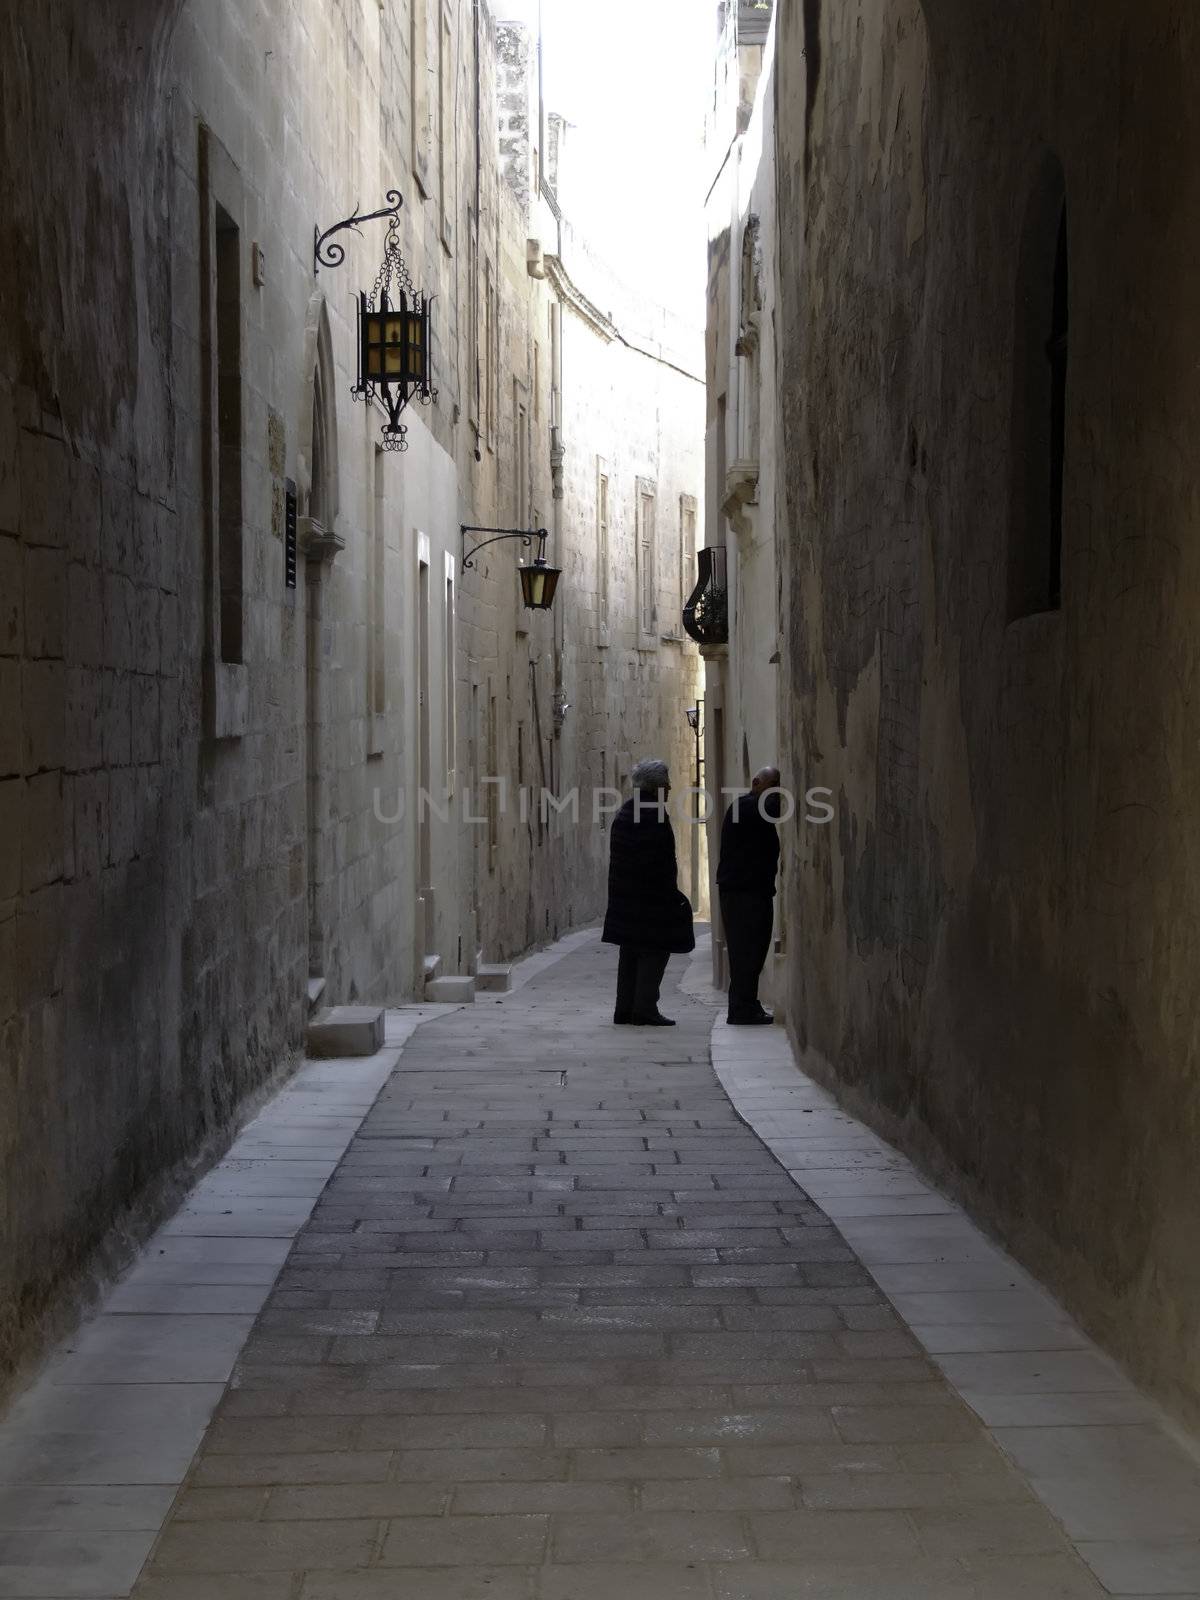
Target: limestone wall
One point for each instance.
(994, 946)
(208, 777)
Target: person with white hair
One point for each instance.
(648, 916)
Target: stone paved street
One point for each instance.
(561, 1328)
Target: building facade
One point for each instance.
(741, 710)
(985, 494)
(238, 645)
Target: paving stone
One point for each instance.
(834, 1535)
(347, 1500)
(453, 1432)
(329, 1466)
(651, 1536)
(603, 1581)
(234, 1586)
(417, 1583)
(221, 1547)
(478, 1466)
(465, 1541)
(488, 1499)
(647, 1464)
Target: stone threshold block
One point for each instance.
(346, 1031)
(493, 976)
(451, 991)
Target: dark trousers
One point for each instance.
(749, 920)
(639, 979)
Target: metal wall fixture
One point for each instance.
(539, 579)
(695, 720)
(393, 324)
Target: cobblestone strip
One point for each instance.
(561, 1328)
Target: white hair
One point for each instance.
(651, 774)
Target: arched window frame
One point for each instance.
(319, 478)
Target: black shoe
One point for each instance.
(750, 1019)
(655, 1020)
(621, 1019)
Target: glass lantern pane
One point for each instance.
(394, 330)
(374, 366)
(394, 360)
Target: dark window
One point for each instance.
(229, 431)
(1057, 353)
(1040, 362)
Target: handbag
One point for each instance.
(684, 939)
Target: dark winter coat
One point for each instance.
(645, 906)
(749, 848)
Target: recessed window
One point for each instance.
(647, 592)
(229, 431)
(1040, 373)
(602, 560)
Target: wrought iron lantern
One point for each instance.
(394, 362)
(393, 341)
(539, 580)
(693, 715)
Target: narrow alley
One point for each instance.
(500, 500)
(562, 1327)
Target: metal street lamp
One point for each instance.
(539, 580)
(695, 723)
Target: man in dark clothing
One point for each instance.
(746, 884)
(647, 915)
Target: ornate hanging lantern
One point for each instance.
(393, 323)
(393, 341)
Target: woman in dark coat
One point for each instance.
(647, 915)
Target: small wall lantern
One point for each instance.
(539, 580)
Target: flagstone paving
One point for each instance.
(561, 1328)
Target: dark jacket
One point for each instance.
(749, 849)
(645, 906)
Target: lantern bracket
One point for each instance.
(526, 536)
(332, 255)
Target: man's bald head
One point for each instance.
(765, 778)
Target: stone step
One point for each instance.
(451, 991)
(494, 976)
(345, 1031)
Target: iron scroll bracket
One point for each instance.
(332, 255)
(526, 536)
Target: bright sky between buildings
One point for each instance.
(633, 78)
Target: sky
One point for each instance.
(633, 78)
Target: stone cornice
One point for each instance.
(573, 296)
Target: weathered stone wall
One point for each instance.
(994, 946)
(95, 688)
(208, 779)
